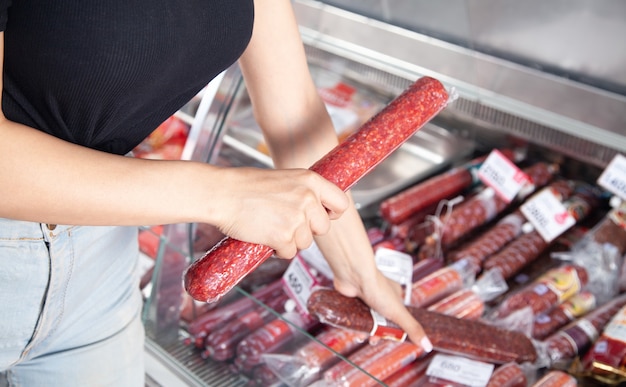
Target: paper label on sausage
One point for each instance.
(613, 178)
(547, 215)
(460, 370)
(578, 305)
(616, 328)
(398, 267)
(299, 282)
(386, 329)
(562, 281)
(499, 173)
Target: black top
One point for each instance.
(106, 73)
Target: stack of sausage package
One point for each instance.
(523, 289)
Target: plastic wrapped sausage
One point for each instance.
(441, 283)
(410, 375)
(576, 338)
(576, 306)
(221, 268)
(448, 334)
(469, 303)
(508, 375)
(529, 246)
(606, 359)
(400, 207)
(200, 327)
(556, 378)
(504, 231)
(547, 291)
(486, 206)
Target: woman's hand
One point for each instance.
(283, 209)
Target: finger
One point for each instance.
(303, 237)
(333, 199)
(319, 221)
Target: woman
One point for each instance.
(83, 83)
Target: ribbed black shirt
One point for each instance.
(106, 73)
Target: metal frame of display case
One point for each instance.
(506, 99)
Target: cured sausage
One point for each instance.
(528, 247)
(222, 267)
(409, 375)
(448, 334)
(200, 327)
(400, 207)
(556, 378)
(508, 375)
(576, 338)
(479, 210)
(503, 232)
(578, 305)
(607, 356)
(547, 291)
(440, 284)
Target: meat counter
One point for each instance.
(356, 76)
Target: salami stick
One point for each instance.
(222, 267)
(448, 334)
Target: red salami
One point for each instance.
(400, 207)
(222, 267)
(508, 375)
(448, 334)
(577, 337)
(503, 232)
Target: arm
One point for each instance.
(48, 180)
(299, 131)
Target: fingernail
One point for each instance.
(426, 344)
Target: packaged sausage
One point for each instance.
(470, 302)
(200, 327)
(314, 357)
(441, 283)
(504, 231)
(547, 291)
(575, 338)
(576, 306)
(270, 337)
(530, 245)
(481, 209)
(410, 375)
(221, 344)
(223, 267)
(556, 378)
(606, 359)
(429, 192)
(508, 375)
(474, 339)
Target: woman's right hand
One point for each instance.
(282, 209)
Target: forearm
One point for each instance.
(48, 180)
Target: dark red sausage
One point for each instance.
(448, 334)
(222, 267)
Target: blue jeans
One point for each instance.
(70, 306)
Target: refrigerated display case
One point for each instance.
(364, 63)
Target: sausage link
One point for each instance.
(508, 375)
(556, 378)
(575, 338)
(547, 291)
(448, 334)
(576, 306)
(221, 268)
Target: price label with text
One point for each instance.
(397, 266)
(499, 173)
(547, 215)
(298, 282)
(613, 178)
(461, 370)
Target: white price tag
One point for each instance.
(461, 370)
(397, 266)
(298, 282)
(502, 175)
(314, 257)
(547, 215)
(613, 178)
